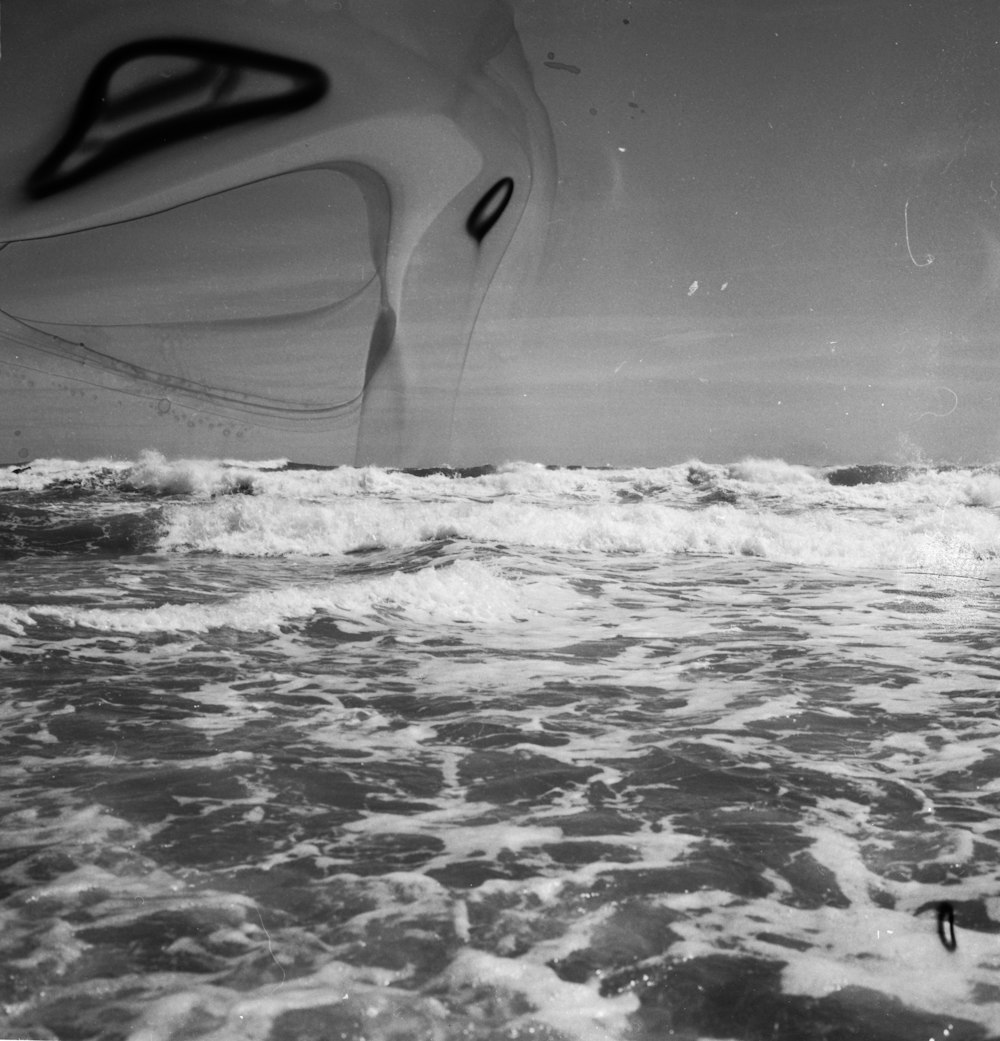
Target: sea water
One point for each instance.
(518, 752)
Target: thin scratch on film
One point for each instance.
(941, 415)
(270, 949)
(928, 257)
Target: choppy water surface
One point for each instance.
(701, 752)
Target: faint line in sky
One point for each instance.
(928, 257)
(941, 415)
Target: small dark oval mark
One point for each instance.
(946, 917)
(489, 209)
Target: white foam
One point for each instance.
(41, 473)
(935, 520)
(14, 620)
(663, 650)
(26, 828)
(773, 472)
(154, 474)
(462, 837)
(576, 1009)
(955, 540)
(940, 535)
(464, 592)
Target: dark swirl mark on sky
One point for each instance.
(371, 128)
(203, 79)
(489, 209)
(561, 66)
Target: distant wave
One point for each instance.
(933, 519)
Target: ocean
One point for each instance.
(519, 752)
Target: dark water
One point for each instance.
(700, 752)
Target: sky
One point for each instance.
(774, 230)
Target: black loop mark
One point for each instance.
(489, 209)
(208, 94)
(946, 916)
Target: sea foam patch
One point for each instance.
(154, 474)
(652, 753)
(953, 539)
(935, 520)
(464, 592)
(13, 621)
(572, 1009)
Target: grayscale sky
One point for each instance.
(776, 230)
